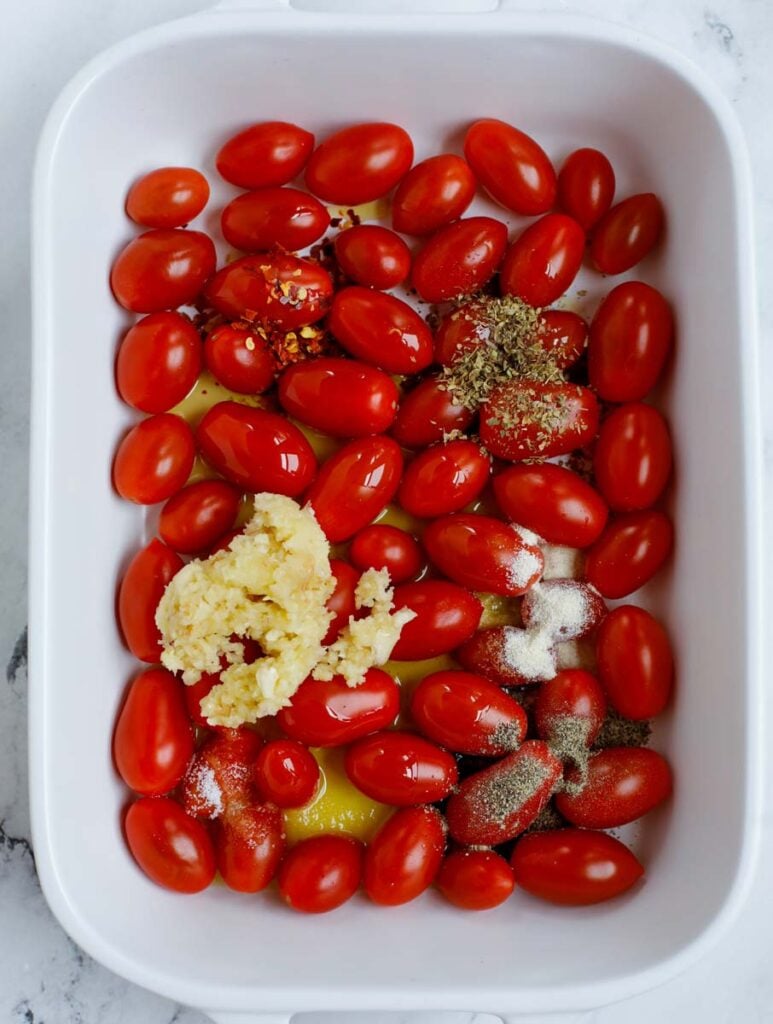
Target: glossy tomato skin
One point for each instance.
(574, 867)
(239, 359)
(404, 856)
(373, 256)
(341, 602)
(459, 258)
(355, 485)
(462, 331)
(629, 552)
(623, 784)
(162, 269)
(565, 335)
(380, 329)
(401, 769)
(632, 458)
(168, 197)
(485, 653)
(510, 165)
(444, 478)
(198, 515)
(630, 340)
(154, 459)
(359, 163)
(286, 774)
(321, 873)
(475, 879)
(427, 413)
(158, 362)
(387, 547)
(219, 782)
(509, 419)
(586, 186)
(173, 850)
(575, 694)
(194, 695)
(635, 663)
(432, 194)
(256, 450)
(446, 616)
(552, 501)
(625, 234)
(249, 846)
(543, 261)
(340, 397)
(265, 154)
(140, 591)
(268, 217)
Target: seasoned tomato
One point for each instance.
(446, 616)
(158, 362)
(525, 420)
(321, 873)
(360, 163)
(427, 413)
(459, 258)
(566, 609)
(623, 783)
(462, 331)
(154, 459)
(586, 186)
(168, 197)
(162, 269)
(543, 261)
(341, 601)
(331, 714)
(627, 233)
(380, 329)
(220, 778)
(486, 653)
(565, 335)
(198, 515)
(141, 588)
(475, 879)
(265, 154)
(510, 165)
(432, 194)
(249, 845)
(387, 547)
(635, 663)
(401, 769)
(632, 457)
(373, 256)
(632, 548)
(173, 850)
(268, 217)
(404, 856)
(240, 359)
(573, 694)
(286, 774)
(444, 478)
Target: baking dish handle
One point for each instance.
(363, 6)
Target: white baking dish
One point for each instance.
(170, 96)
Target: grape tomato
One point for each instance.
(264, 155)
(432, 194)
(168, 197)
(372, 256)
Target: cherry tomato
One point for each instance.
(573, 694)
(486, 653)
(543, 261)
(153, 739)
(274, 288)
(552, 501)
(340, 397)
(525, 420)
(463, 330)
(483, 554)
(256, 450)
(285, 217)
(632, 457)
(355, 485)
(359, 164)
(224, 544)
(586, 186)
(574, 867)
(635, 663)
(468, 714)
(173, 850)
(286, 774)
(249, 845)
(265, 154)
(626, 233)
(475, 879)
(219, 780)
(446, 616)
(341, 601)
(373, 256)
(239, 359)
(404, 856)
(459, 258)
(623, 784)
(158, 362)
(141, 589)
(198, 515)
(195, 693)
(630, 339)
(162, 269)
(567, 609)
(444, 479)
(629, 553)
(510, 165)
(564, 335)
(321, 873)
(401, 769)
(380, 329)
(498, 803)
(387, 547)
(168, 197)
(154, 459)
(432, 194)
(427, 413)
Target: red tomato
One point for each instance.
(249, 845)
(543, 261)
(373, 256)
(632, 457)
(468, 714)
(265, 154)
(553, 502)
(173, 850)
(459, 258)
(256, 450)
(483, 554)
(168, 197)
(475, 879)
(444, 479)
(239, 359)
(568, 609)
(623, 784)
(573, 694)
(198, 515)
(387, 547)
(162, 269)
(630, 339)
(574, 867)
(355, 485)
(404, 856)
(427, 413)
(498, 803)
(629, 553)
(154, 459)
(463, 330)
(446, 616)
(341, 601)
(285, 217)
(526, 420)
(158, 362)
(224, 544)
(485, 653)
(195, 693)
(340, 397)
(321, 873)
(274, 288)
(627, 233)
(635, 663)
(563, 334)
(432, 194)
(380, 329)
(153, 739)
(141, 589)
(401, 769)
(359, 163)
(219, 780)
(586, 186)
(286, 774)
(511, 167)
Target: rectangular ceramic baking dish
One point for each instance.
(171, 95)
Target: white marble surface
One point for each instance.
(43, 976)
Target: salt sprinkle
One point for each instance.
(561, 608)
(530, 653)
(524, 565)
(527, 536)
(203, 791)
(561, 562)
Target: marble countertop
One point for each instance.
(44, 977)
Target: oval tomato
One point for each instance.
(162, 269)
(632, 457)
(444, 479)
(360, 163)
(586, 186)
(432, 194)
(629, 553)
(404, 856)
(623, 784)
(459, 258)
(463, 330)
(387, 547)
(543, 261)
(286, 774)
(265, 154)
(195, 694)
(401, 769)
(564, 335)
(219, 782)
(198, 515)
(510, 165)
(626, 233)
(321, 873)
(239, 359)
(268, 217)
(527, 420)
(489, 653)
(475, 879)
(249, 846)
(566, 609)
(141, 589)
(427, 413)
(635, 663)
(446, 616)
(158, 362)
(372, 256)
(341, 602)
(168, 197)
(154, 459)
(173, 850)
(380, 329)
(573, 694)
